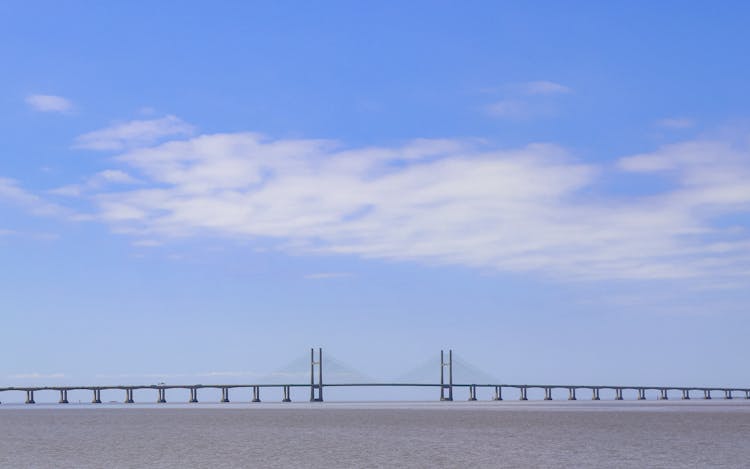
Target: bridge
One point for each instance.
(445, 386)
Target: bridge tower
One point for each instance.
(446, 390)
(316, 397)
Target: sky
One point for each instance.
(200, 192)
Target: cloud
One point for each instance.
(37, 376)
(527, 100)
(97, 181)
(533, 88)
(11, 191)
(519, 109)
(133, 134)
(327, 275)
(529, 209)
(48, 103)
(676, 123)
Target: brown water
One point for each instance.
(482, 434)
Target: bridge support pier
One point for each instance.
(685, 394)
(193, 395)
(319, 385)
(727, 394)
(286, 397)
(162, 396)
(30, 397)
(706, 394)
(523, 394)
(224, 394)
(129, 396)
(473, 392)
(663, 395)
(571, 394)
(256, 394)
(641, 394)
(96, 399)
(547, 394)
(498, 393)
(446, 390)
(594, 394)
(747, 394)
(618, 394)
(63, 396)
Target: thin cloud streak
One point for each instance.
(133, 134)
(48, 103)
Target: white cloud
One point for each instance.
(527, 100)
(48, 103)
(97, 181)
(444, 202)
(11, 191)
(133, 134)
(510, 108)
(676, 123)
(543, 88)
(327, 275)
(37, 376)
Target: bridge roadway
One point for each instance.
(663, 391)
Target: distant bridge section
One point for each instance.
(445, 386)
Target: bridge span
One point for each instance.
(445, 386)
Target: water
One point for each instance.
(459, 434)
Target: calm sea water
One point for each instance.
(459, 434)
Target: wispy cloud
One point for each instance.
(11, 191)
(518, 109)
(49, 103)
(676, 123)
(133, 134)
(327, 275)
(526, 100)
(543, 87)
(97, 181)
(37, 376)
(445, 202)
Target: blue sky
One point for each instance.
(199, 191)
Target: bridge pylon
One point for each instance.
(446, 390)
(316, 396)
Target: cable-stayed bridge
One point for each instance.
(454, 374)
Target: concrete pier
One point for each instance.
(256, 394)
(313, 385)
(747, 394)
(571, 394)
(685, 394)
(224, 394)
(193, 395)
(473, 392)
(96, 399)
(523, 394)
(706, 394)
(663, 394)
(162, 398)
(641, 394)
(618, 394)
(594, 394)
(286, 397)
(30, 397)
(727, 394)
(446, 390)
(129, 396)
(63, 396)
(498, 393)
(547, 394)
